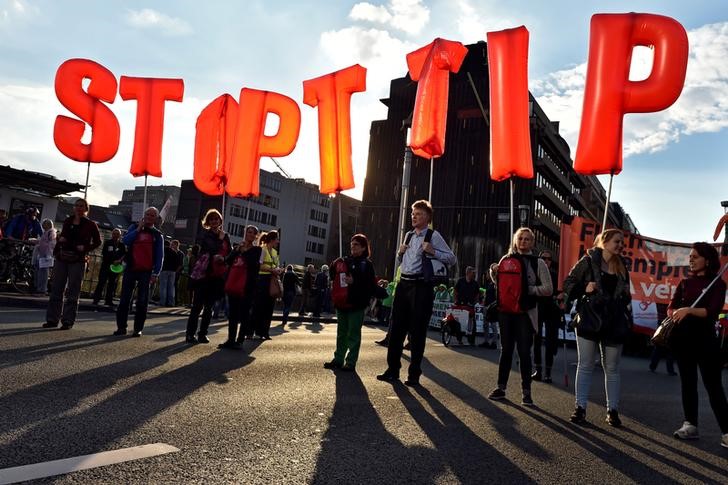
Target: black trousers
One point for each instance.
(705, 357)
(551, 339)
(207, 292)
(106, 279)
(516, 330)
(263, 306)
(411, 313)
(239, 315)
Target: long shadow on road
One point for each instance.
(620, 459)
(357, 448)
(70, 415)
(457, 445)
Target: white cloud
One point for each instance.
(15, 10)
(409, 16)
(382, 54)
(472, 27)
(702, 106)
(26, 138)
(151, 19)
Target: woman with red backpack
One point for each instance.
(521, 278)
(354, 284)
(244, 264)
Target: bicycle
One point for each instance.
(16, 264)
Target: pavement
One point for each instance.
(271, 414)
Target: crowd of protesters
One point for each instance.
(249, 278)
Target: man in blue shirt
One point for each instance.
(412, 306)
(25, 226)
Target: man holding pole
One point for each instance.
(412, 306)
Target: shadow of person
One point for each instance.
(357, 448)
(95, 426)
(457, 445)
(503, 422)
(22, 355)
(629, 464)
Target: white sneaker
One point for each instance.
(724, 441)
(687, 432)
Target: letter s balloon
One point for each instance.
(67, 132)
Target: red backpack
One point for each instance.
(339, 287)
(512, 286)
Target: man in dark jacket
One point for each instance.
(143, 264)
(112, 252)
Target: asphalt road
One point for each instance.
(274, 415)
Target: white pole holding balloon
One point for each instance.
(432, 174)
(144, 204)
(85, 190)
(341, 231)
(511, 209)
(606, 204)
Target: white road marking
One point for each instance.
(85, 462)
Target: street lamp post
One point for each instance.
(523, 211)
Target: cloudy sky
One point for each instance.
(676, 162)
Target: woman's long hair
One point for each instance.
(616, 265)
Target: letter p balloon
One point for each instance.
(609, 94)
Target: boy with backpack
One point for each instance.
(520, 279)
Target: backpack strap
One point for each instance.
(408, 237)
(428, 235)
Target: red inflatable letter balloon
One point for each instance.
(510, 138)
(251, 142)
(431, 67)
(67, 132)
(150, 93)
(332, 94)
(609, 93)
(214, 140)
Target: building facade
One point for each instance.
(163, 197)
(470, 210)
(294, 207)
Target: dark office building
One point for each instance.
(471, 211)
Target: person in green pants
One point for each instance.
(353, 285)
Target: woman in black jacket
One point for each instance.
(601, 274)
(359, 283)
(239, 306)
(214, 247)
(694, 342)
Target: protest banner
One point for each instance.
(655, 267)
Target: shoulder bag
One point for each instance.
(661, 337)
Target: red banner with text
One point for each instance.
(655, 266)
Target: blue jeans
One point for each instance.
(140, 280)
(611, 355)
(166, 288)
